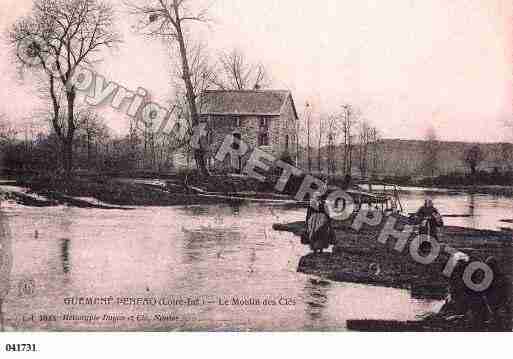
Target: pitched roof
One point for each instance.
(244, 102)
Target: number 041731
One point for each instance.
(20, 348)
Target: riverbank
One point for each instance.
(173, 190)
(506, 191)
(495, 190)
(103, 193)
(497, 182)
(358, 256)
(112, 193)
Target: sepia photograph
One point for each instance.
(255, 166)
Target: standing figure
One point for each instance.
(319, 232)
(429, 219)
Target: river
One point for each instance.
(206, 256)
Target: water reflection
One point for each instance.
(472, 209)
(206, 241)
(252, 261)
(65, 243)
(316, 298)
(464, 209)
(235, 207)
(219, 250)
(196, 210)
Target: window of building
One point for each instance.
(236, 146)
(210, 135)
(264, 122)
(263, 139)
(238, 138)
(263, 133)
(287, 143)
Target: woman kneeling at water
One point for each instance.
(319, 232)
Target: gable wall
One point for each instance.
(279, 126)
(288, 126)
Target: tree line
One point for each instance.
(337, 143)
(62, 35)
(473, 156)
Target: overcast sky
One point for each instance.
(405, 64)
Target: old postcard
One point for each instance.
(214, 166)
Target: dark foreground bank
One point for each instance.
(358, 257)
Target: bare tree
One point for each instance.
(322, 120)
(203, 72)
(235, 72)
(8, 132)
(506, 156)
(502, 156)
(90, 128)
(431, 152)
(363, 147)
(171, 19)
(348, 122)
(374, 140)
(63, 35)
(473, 157)
(203, 69)
(332, 134)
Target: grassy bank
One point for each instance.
(148, 189)
(108, 190)
(178, 189)
(500, 184)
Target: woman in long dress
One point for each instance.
(319, 232)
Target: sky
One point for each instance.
(407, 65)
